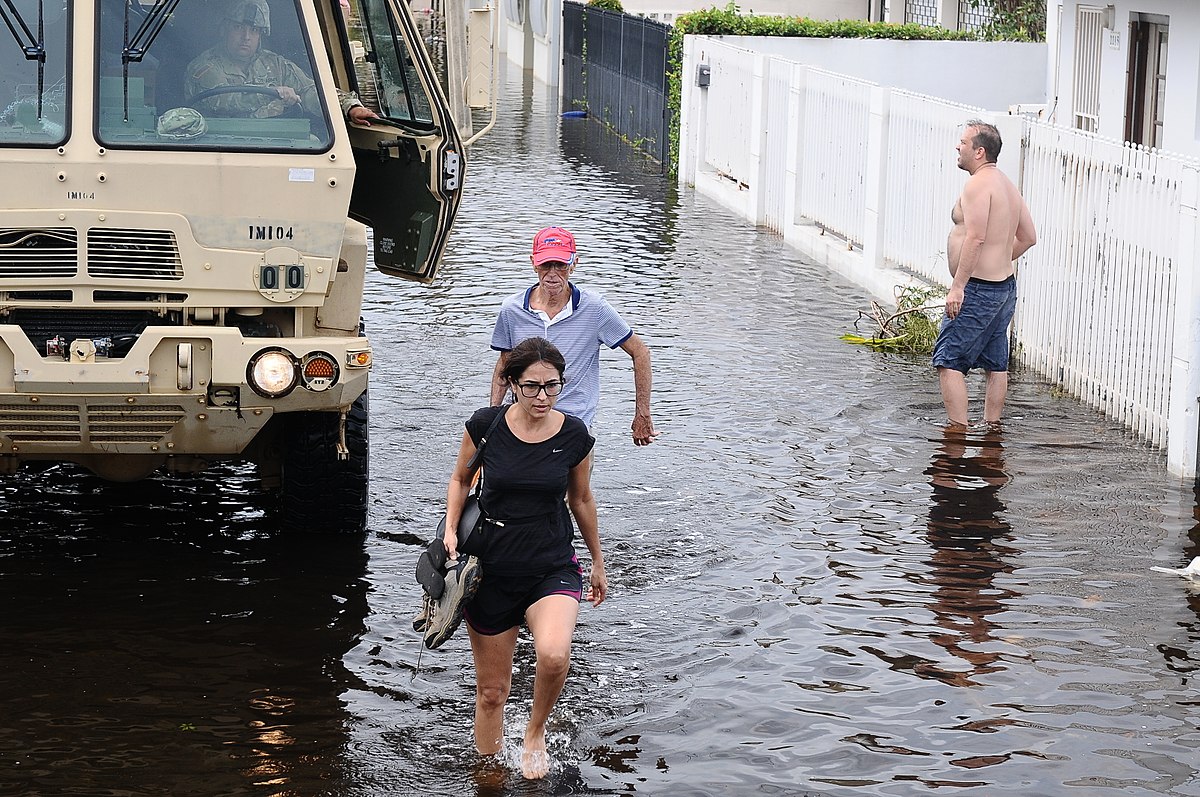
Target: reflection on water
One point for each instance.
(157, 642)
(967, 532)
(815, 589)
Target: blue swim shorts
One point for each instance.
(501, 600)
(978, 336)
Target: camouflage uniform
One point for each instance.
(214, 68)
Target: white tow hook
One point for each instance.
(183, 369)
(343, 453)
(83, 351)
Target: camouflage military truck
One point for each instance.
(184, 228)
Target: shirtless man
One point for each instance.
(992, 228)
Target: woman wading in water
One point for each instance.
(534, 458)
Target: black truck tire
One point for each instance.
(319, 492)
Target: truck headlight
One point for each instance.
(272, 373)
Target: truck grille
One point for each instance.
(133, 254)
(34, 253)
(41, 325)
(105, 424)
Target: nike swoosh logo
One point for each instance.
(556, 451)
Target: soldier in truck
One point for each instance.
(258, 82)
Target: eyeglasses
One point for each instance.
(531, 389)
(554, 265)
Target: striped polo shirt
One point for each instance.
(580, 328)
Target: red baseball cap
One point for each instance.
(553, 243)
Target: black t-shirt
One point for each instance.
(524, 485)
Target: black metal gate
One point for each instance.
(615, 68)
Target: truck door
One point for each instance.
(410, 161)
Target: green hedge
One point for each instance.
(728, 22)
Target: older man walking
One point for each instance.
(578, 321)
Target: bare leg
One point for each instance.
(493, 681)
(551, 621)
(997, 389)
(954, 394)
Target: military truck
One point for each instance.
(183, 252)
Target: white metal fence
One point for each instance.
(1098, 295)
(777, 99)
(833, 156)
(923, 179)
(1107, 307)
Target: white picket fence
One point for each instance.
(923, 180)
(1100, 292)
(1106, 303)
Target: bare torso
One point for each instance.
(1000, 212)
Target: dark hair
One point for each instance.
(528, 352)
(988, 137)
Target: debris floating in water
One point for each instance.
(1192, 571)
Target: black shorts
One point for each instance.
(501, 601)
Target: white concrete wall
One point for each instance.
(1181, 124)
(533, 42)
(992, 75)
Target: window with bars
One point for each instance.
(922, 12)
(974, 14)
(1089, 30)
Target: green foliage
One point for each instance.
(1015, 20)
(912, 329)
(607, 5)
(728, 21)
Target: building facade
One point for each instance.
(1127, 70)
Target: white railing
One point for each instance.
(1109, 301)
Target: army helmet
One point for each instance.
(181, 123)
(251, 12)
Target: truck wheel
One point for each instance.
(319, 492)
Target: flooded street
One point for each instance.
(814, 590)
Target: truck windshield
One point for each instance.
(33, 69)
(187, 74)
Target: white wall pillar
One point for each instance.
(690, 123)
(1182, 410)
(1055, 47)
(547, 49)
(794, 159)
(513, 35)
(1012, 153)
(947, 11)
(894, 11)
(875, 190)
(758, 139)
